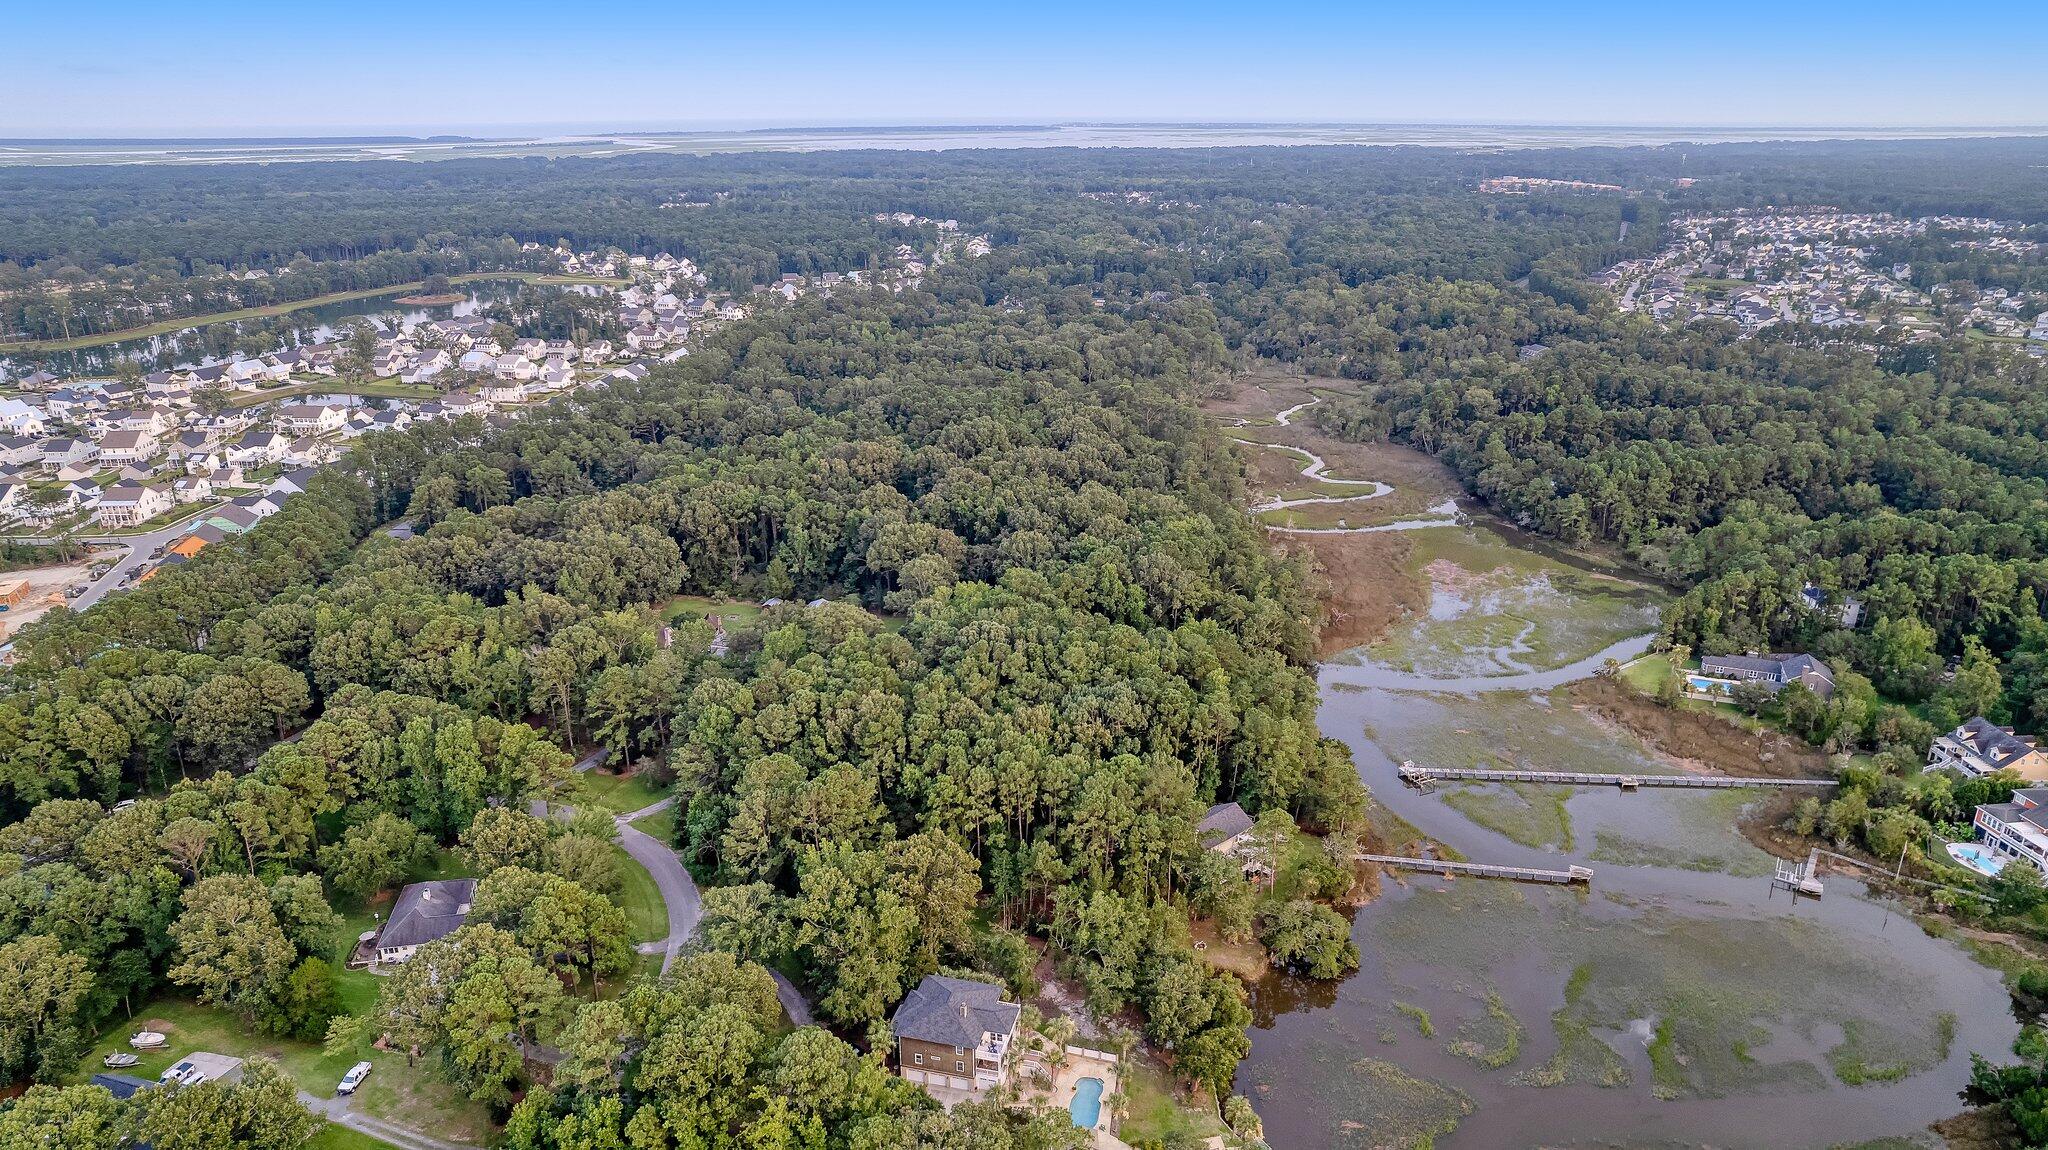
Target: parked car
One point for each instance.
(178, 1072)
(353, 1078)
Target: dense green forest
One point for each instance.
(1054, 636)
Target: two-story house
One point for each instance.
(126, 504)
(955, 1034)
(1980, 747)
(2017, 829)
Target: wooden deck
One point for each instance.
(1426, 777)
(1575, 874)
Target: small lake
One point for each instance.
(212, 343)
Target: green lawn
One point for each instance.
(1155, 1114)
(332, 1137)
(1648, 674)
(646, 913)
(413, 1097)
(661, 825)
(686, 607)
(621, 794)
(388, 388)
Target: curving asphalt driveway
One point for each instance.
(677, 889)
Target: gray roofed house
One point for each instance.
(2017, 829)
(424, 912)
(123, 1086)
(1223, 826)
(1777, 671)
(1981, 747)
(954, 1033)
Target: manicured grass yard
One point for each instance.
(621, 794)
(1152, 1114)
(661, 825)
(413, 1097)
(646, 913)
(1648, 674)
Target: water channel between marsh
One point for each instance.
(1679, 1002)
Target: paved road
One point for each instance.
(793, 1001)
(139, 547)
(677, 890)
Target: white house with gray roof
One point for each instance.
(1982, 747)
(425, 911)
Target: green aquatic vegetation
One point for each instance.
(1667, 1065)
(1529, 814)
(1493, 1039)
(1581, 1057)
(1717, 1029)
(1419, 1016)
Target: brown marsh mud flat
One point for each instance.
(1365, 581)
(1497, 609)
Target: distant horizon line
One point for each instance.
(576, 129)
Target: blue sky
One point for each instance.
(207, 66)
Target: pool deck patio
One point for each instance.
(1080, 1063)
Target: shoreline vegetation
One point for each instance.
(166, 327)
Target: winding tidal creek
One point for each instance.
(1681, 1001)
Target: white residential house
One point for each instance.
(309, 452)
(459, 403)
(478, 360)
(192, 488)
(127, 504)
(21, 419)
(530, 348)
(18, 451)
(1982, 747)
(61, 453)
(312, 418)
(597, 351)
(127, 446)
(81, 493)
(12, 495)
(2017, 829)
(515, 367)
(259, 448)
(425, 911)
(498, 391)
(245, 373)
(425, 367)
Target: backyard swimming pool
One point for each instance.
(1086, 1107)
(1977, 857)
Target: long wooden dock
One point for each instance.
(1575, 874)
(1425, 777)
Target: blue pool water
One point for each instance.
(1086, 1107)
(1978, 858)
